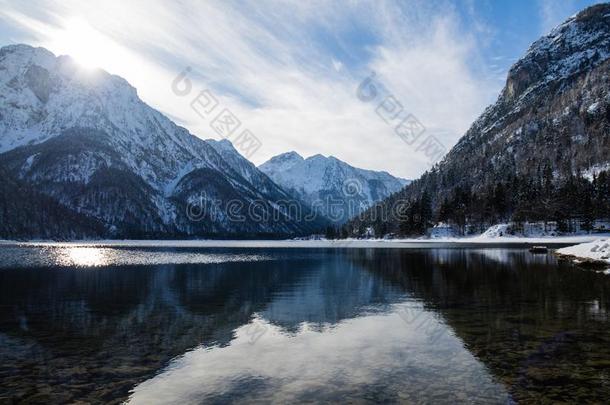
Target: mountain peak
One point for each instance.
(322, 181)
(64, 92)
(20, 57)
(26, 55)
(281, 162)
(582, 40)
(292, 155)
(25, 49)
(222, 145)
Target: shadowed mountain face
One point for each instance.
(86, 141)
(521, 159)
(26, 211)
(480, 324)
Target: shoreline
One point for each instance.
(586, 262)
(469, 242)
(593, 254)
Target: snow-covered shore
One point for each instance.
(476, 241)
(595, 252)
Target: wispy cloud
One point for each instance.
(553, 13)
(289, 70)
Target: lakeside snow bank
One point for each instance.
(475, 241)
(596, 251)
(523, 232)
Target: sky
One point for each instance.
(290, 71)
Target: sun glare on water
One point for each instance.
(80, 256)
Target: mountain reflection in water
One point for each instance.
(442, 325)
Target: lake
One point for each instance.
(188, 324)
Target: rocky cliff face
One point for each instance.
(551, 122)
(553, 107)
(84, 139)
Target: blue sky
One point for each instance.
(289, 70)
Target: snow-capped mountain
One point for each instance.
(529, 155)
(286, 201)
(85, 139)
(332, 187)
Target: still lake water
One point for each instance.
(219, 325)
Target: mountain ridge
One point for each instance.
(334, 188)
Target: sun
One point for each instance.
(89, 47)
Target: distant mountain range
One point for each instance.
(334, 188)
(83, 156)
(540, 153)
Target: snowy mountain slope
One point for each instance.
(334, 188)
(265, 185)
(246, 169)
(43, 96)
(549, 125)
(85, 138)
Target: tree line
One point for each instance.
(517, 199)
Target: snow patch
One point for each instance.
(593, 108)
(595, 170)
(28, 164)
(598, 250)
(496, 231)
